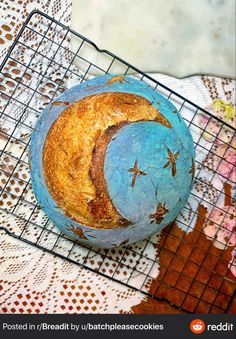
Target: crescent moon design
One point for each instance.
(75, 149)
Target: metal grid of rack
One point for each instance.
(33, 78)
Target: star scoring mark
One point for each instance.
(136, 172)
(172, 161)
(192, 169)
(158, 216)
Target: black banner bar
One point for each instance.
(118, 326)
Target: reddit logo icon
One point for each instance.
(197, 326)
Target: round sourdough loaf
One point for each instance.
(112, 161)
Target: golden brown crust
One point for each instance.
(74, 151)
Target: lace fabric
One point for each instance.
(33, 281)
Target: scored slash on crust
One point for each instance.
(119, 79)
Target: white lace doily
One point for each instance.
(33, 281)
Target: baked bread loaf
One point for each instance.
(113, 155)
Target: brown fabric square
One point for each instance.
(184, 250)
(210, 261)
(174, 296)
(222, 300)
(171, 277)
(221, 268)
(203, 307)
(203, 275)
(191, 269)
(228, 287)
(216, 310)
(197, 255)
(178, 263)
(209, 295)
(184, 283)
(172, 243)
(196, 289)
(215, 281)
(190, 303)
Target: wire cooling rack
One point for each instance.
(194, 275)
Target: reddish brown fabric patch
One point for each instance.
(194, 275)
